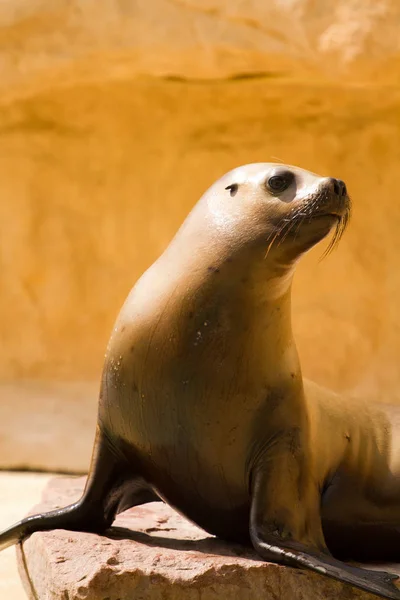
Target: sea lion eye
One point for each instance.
(279, 183)
(233, 188)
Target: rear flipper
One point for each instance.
(111, 488)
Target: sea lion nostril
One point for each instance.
(336, 187)
(342, 188)
(339, 187)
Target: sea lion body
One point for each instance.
(355, 445)
(203, 403)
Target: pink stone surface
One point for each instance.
(154, 553)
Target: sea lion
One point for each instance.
(203, 404)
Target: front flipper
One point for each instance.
(297, 555)
(285, 527)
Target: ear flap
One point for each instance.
(233, 188)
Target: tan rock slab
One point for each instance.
(152, 553)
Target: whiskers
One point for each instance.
(292, 223)
(337, 235)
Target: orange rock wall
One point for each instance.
(112, 124)
(95, 180)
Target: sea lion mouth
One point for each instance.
(332, 211)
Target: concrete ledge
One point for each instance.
(154, 553)
(36, 421)
(18, 492)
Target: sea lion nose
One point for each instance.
(339, 187)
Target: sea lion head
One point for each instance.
(281, 209)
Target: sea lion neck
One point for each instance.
(204, 267)
(237, 303)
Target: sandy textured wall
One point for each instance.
(112, 124)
